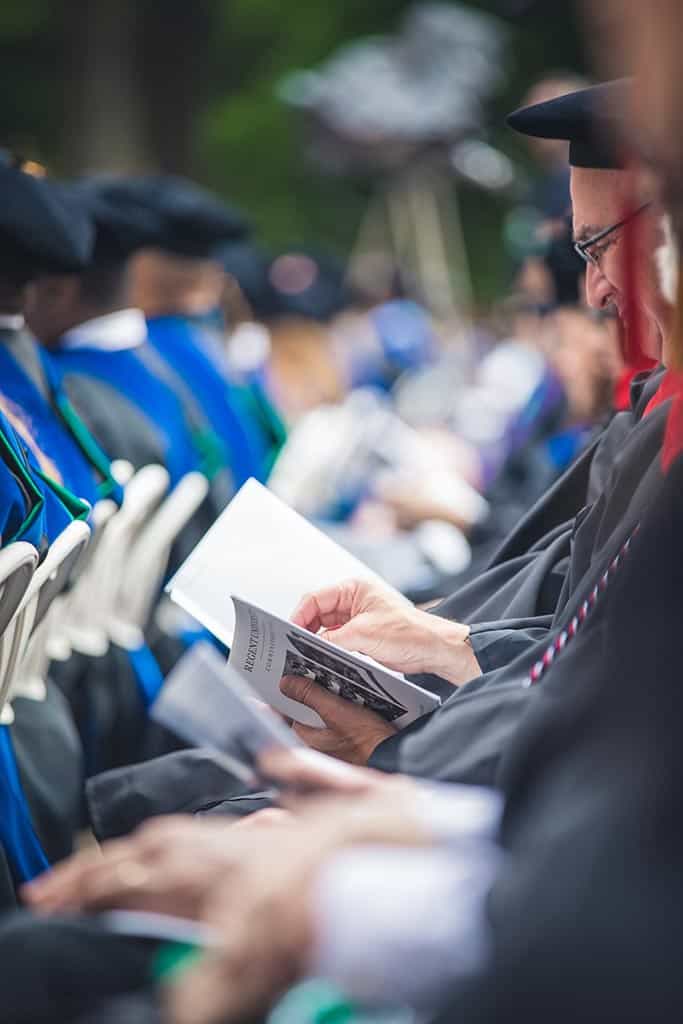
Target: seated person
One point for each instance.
(486, 638)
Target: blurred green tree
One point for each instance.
(191, 87)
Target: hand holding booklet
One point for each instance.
(247, 575)
(266, 648)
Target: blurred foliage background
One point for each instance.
(190, 86)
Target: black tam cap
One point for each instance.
(40, 231)
(295, 282)
(189, 220)
(122, 225)
(591, 120)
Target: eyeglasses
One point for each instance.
(583, 248)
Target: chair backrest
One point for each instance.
(17, 565)
(72, 623)
(142, 496)
(147, 560)
(49, 579)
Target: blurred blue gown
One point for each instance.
(36, 821)
(179, 343)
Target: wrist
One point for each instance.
(455, 659)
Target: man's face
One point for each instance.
(600, 199)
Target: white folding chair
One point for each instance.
(28, 667)
(73, 624)
(17, 565)
(147, 562)
(142, 496)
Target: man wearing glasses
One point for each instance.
(608, 208)
(617, 232)
(500, 623)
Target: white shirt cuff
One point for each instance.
(458, 814)
(399, 927)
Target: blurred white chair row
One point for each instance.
(97, 584)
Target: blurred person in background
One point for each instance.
(292, 297)
(42, 760)
(98, 352)
(178, 283)
(579, 364)
(112, 402)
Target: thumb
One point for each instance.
(310, 693)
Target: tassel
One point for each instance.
(632, 342)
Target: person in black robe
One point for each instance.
(584, 912)
(511, 608)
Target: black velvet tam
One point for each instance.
(591, 120)
(40, 231)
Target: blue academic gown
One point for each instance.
(48, 429)
(125, 372)
(85, 471)
(179, 343)
(31, 511)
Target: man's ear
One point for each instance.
(69, 291)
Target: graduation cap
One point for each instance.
(186, 219)
(40, 230)
(590, 120)
(122, 225)
(293, 282)
(308, 284)
(247, 263)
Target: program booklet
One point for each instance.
(267, 553)
(265, 648)
(243, 581)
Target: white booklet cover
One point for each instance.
(265, 648)
(267, 553)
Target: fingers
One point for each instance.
(352, 636)
(70, 885)
(61, 883)
(330, 607)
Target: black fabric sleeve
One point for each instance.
(56, 969)
(179, 783)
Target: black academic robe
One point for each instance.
(585, 914)
(50, 765)
(56, 970)
(466, 737)
(527, 572)
(464, 740)
(143, 1009)
(50, 761)
(585, 917)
